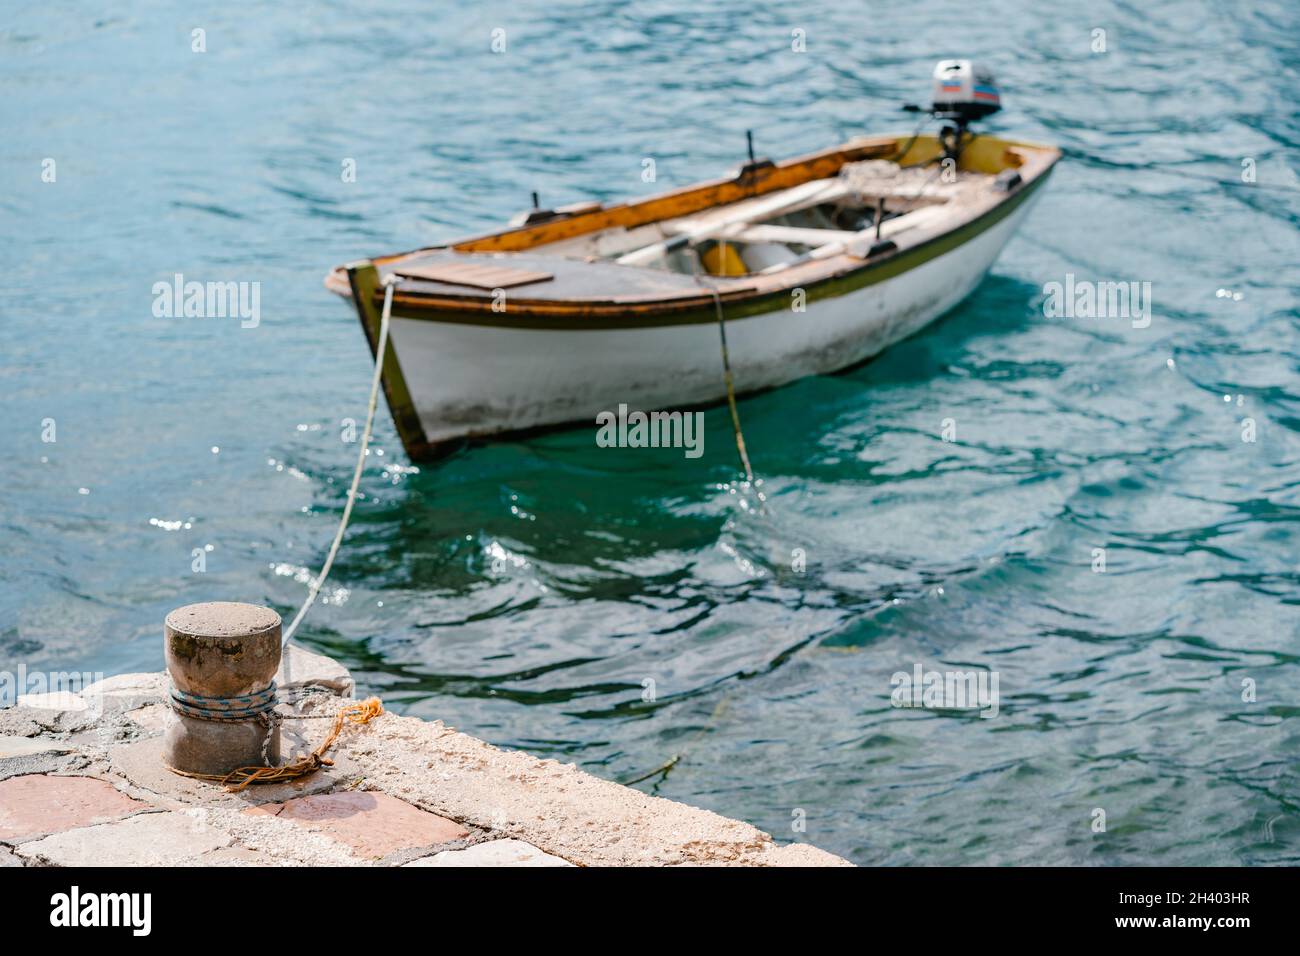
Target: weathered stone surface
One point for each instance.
(27, 746)
(127, 691)
(219, 746)
(495, 853)
(221, 648)
(557, 807)
(151, 717)
(372, 824)
(58, 712)
(798, 854)
(54, 762)
(18, 723)
(148, 839)
(303, 671)
(237, 856)
(280, 842)
(8, 859)
(37, 804)
(59, 700)
(142, 765)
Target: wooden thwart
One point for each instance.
(790, 235)
(739, 215)
(475, 274)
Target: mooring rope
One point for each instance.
(731, 387)
(240, 707)
(361, 712)
(719, 711)
(726, 359)
(380, 347)
(260, 705)
(676, 758)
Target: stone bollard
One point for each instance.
(222, 657)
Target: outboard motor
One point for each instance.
(964, 91)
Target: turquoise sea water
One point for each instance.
(526, 591)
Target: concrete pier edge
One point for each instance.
(81, 783)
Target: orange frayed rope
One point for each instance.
(361, 712)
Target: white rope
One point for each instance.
(361, 461)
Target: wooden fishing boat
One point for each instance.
(815, 264)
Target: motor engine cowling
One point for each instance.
(964, 90)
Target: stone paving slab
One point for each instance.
(557, 807)
(301, 669)
(236, 856)
(150, 717)
(18, 723)
(494, 853)
(168, 838)
(52, 762)
(37, 804)
(374, 825)
(30, 746)
(58, 713)
(57, 700)
(126, 691)
(141, 764)
(266, 837)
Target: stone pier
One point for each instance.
(82, 783)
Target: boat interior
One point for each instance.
(769, 233)
(766, 226)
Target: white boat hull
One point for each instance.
(470, 380)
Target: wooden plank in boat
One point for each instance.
(574, 281)
(476, 274)
(788, 234)
(765, 207)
